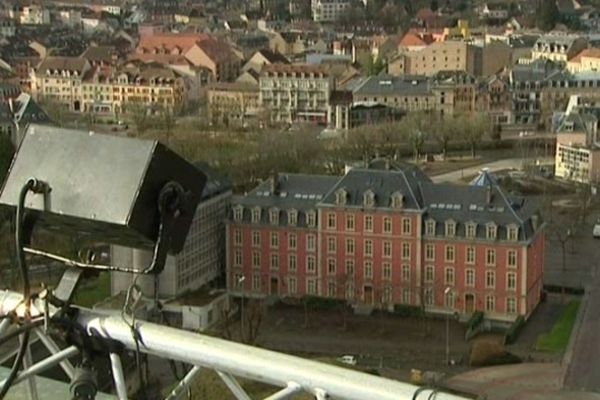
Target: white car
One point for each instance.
(350, 360)
(596, 231)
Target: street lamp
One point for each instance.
(240, 282)
(448, 291)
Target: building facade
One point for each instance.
(558, 48)
(386, 236)
(328, 10)
(59, 80)
(233, 102)
(450, 55)
(295, 92)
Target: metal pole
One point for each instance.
(184, 383)
(45, 364)
(4, 325)
(27, 363)
(118, 377)
(285, 393)
(54, 349)
(447, 339)
(234, 386)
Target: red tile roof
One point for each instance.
(591, 53)
(169, 41)
(293, 69)
(413, 39)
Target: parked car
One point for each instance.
(596, 230)
(347, 359)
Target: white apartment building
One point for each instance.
(328, 10)
(295, 93)
(59, 79)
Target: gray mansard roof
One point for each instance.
(384, 84)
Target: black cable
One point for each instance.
(21, 329)
(19, 244)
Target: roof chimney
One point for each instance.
(535, 220)
(488, 194)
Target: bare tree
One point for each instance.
(254, 316)
(140, 117)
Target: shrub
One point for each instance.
(475, 320)
(408, 311)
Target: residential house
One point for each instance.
(494, 11)
(386, 236)
(230, 103)
(495, 99)
(29, 13)
(264, 57)
(450, 55)
(8, 28)
(328, 10)
(586, 60)
(404, 93)
(455, 92)
(558, 47)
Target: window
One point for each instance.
(387, 248)
(511, 281)
(387, 225)
(470, 255)
(256, 259)
(429, 297)
(429, 273)
(429, 252)
(350, 222)
(331, 266)
(387, 271)
(350, 290)
(311, 219)
(350, 267)
(449, 253)
(450, 228)
(471, 230)
(292, 285)
(292, 263)
(512, 233)
(255, 239)
(238, 213)
(237, 237)
(406, 226)
(275, 261)
(449, 276)
(340, 197)
(311, 286)
(369, 198)
(368, 269)
(430, 227)
(511, 258)
(331, 244)
(368, 223)
(274, 240)
(237, 258)
(274, 216)
(470, 277)
(310, 242)
(405, 296)
(310, 264)
(350, 246)
(368, 247)
(331, 220)
(490, 231)
(331, 289)
(397, 200)
(490, 279)
(490, 257)
(292, 241)
(256, 282)
(406, 251)
(511, 305)
(292, 217)
(406, 273)
(449, 299)
(490, 303)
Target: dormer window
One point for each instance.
(471, 230)
(311, 219)
(292, 217)
(397, 200)
(238, 213)
(256, 215)
(430, 227)
(341, 196)
(512, 233)
(490, 231)
(369, 198)
(274, 216)
(450, 228)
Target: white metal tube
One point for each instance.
(234, 386)
(31, 381)
(4, 325)
(251, 363)
(184, 383)
(118, 377)
(53, 348)
(291, 389)
(45, 364)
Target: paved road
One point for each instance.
(583, 373)
(456, 176)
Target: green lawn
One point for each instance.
(558, 338)
(93, 291)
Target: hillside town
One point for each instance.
(405, 188)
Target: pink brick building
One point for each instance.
(386, 236)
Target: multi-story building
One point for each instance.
(328, 10)
(405, 93)
(202, 259)
(495, 99)
(295, 92)
(113, 91)
(59, 79)
(586, 60)
(558, 48)
(8, 28)
(455, 92)
(388, 236)
(29, 13)
(232, 102)
(449, 55)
